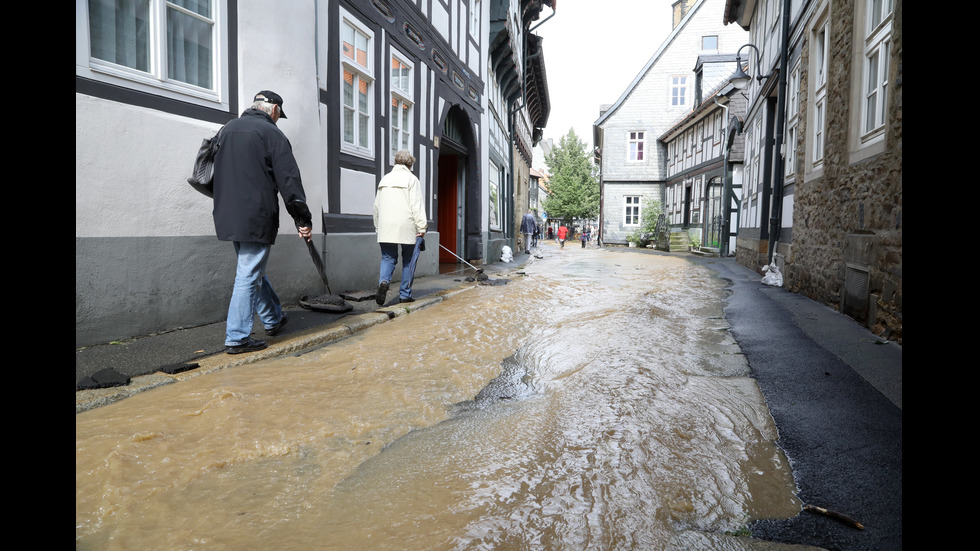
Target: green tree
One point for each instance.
(573, 187)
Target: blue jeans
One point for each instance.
(389, 257)
(252, 294)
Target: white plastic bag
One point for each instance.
(772, 277)
(506, 255)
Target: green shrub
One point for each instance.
(646, 231)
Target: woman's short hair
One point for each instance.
(404, 157)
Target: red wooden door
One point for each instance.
(448, 207)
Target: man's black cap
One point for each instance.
(271, 97)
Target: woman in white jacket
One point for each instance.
(399, 219)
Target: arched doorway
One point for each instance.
(713, 216)
(458, 194)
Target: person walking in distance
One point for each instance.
(399, 220)
(528, 227)
(253, 166)
(562, 235)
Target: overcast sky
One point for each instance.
(593, 49)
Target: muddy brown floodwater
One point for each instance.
(596, 402)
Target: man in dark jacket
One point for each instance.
(528, 227)
(255, 162)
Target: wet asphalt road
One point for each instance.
(834, 391)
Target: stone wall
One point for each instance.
(847, 221)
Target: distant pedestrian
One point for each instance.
(399, 219)
(551, 233)
(562, 235)
(528, 227)
(255, 163)
(585, 236)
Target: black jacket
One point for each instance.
(253, 163)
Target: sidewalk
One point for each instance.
(147, 362)
(834, 390)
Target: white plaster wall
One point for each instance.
(647, 106)
(146, 256)
(282, 58)
(440, 19)
(356, 192)
(131, 167)
(132, 163)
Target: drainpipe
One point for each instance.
(776, 216)
(725, 208)
(543, 20)
(511, 216)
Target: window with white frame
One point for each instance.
(475, 9)
(631, 214)
(821, 37)
(169, 48)
(636, 146)
(402, 85)
(678, 91)
(876, 55)
(792, 118)
(709, 43)
(357, 91)
(754, 147)
(495, 175)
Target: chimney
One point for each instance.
(680, 9)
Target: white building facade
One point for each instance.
(360, 79)
(631, 160)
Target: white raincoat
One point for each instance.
(399, 213)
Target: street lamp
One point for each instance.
(741, 79)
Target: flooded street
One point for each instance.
(596, 402)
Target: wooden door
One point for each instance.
(448, 207)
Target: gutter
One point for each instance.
(776, 210)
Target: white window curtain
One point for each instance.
(120, 32)
(190, 32)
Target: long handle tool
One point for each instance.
(319, 263)
(478, 270)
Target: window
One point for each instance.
(636, 146)
(709, 42)
(792, 118)
(402, 86)
(168, 48)
(819, 56)
(495, 175)
(475, 11)
(876, 53)
(631, 216)
(357, 92)
(678, 90)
